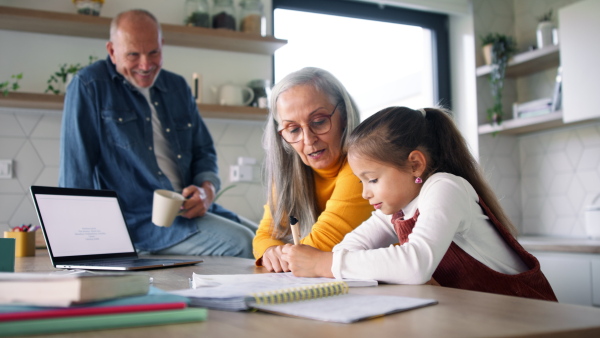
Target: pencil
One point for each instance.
(295, 230)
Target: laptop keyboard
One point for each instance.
(127, 262)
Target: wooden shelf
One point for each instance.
(233, 112)
(528, 62)
(55, 102)
(524, 125)
(46, 22)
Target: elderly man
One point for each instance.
(131, 127)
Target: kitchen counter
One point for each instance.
(560, 244)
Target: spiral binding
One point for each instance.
(300, 293)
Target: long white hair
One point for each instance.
(289, 182)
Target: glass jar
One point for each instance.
(196, 13)
(88, 7)
(252, 17)
(223, 15)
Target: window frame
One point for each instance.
(436, 22)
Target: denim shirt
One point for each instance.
(107, 143)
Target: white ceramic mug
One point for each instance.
(166, 205)
(235, 95)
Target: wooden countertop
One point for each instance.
(459, 313)
(559, 244)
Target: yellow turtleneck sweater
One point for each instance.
(341, 207)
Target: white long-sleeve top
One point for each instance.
(448, 211)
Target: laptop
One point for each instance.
(86, 229)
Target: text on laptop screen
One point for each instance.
(83, 225)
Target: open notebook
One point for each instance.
(324, 299)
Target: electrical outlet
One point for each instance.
(6, 169)
(240, 173)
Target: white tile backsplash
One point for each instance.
(558, 179)
(32, 139)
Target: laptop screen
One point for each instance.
(78, 225)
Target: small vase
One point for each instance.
(544, 34)
(487, 53)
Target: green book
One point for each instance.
(101, 322)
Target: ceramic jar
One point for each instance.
(544, 34)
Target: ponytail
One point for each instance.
(390, 135)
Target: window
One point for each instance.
(384, 56)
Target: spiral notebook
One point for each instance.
(323, 299)
(331, 302)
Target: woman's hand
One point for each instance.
(306, 261)
(272, 260)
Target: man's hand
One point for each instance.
(199, 199)
(306, 261)
(272, 261)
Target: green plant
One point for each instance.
(545, 17)
(7, 86)
(220, 193)
(503, 47)
(60, 77)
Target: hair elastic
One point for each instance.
(422, 110)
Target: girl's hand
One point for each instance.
(432, 282)
(272, 259)
(306, 261)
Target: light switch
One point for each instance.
(6, 169)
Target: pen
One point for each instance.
(295, 230)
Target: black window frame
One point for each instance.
(436, 22)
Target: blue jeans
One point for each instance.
(217, 236)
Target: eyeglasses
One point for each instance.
(318, 125)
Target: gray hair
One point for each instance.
(289, 182)
(135, 14)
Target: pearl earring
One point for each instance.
(418, 180)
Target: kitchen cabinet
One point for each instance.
(47, 22)
(579, 27)
(573, 276)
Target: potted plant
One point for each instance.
(7, 86)
(486, 47)
(59, 80)
(544, 30)
(502, 47)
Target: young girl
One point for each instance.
(435, 215)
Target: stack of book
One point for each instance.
(32, 303)
(532, 108)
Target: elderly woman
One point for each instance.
(308, 176)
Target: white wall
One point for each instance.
(31, 137)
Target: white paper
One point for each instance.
(346, 308)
